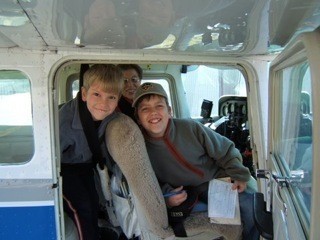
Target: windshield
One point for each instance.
(211, 83)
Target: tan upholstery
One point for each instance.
(71, 232)
(126, 145)
(198, 225)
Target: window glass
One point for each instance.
(211, 83)
(16, 132)
(75, 88)
(295, 128)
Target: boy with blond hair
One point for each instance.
(94, 105)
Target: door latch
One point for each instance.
(295, 178)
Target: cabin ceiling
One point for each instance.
(218, 27)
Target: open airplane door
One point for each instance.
(293, 147)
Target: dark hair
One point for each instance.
(136, 67)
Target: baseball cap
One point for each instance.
(146, 89)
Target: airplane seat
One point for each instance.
(197, 223)
(71, 232)
(234, 125)
(233, 110)
(126, 146)
(206, 108)
(133, 160)
(198, 226)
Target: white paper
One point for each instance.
(222, 199)
(223, 203)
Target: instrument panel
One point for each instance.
(232, 105)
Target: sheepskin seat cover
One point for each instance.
(198, 224)
(126, 145)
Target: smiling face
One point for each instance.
(131, 83)
(99, 102)
(154, 114)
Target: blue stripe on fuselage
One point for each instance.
(32, 223)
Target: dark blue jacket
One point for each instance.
(74, 147)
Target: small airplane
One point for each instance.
(248, 69)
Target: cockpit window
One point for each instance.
(211, 83)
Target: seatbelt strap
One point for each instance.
(178, 226)
(178, 229)
(90, 132)
(83, 69)
(88, 124)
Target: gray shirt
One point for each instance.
(190, 154)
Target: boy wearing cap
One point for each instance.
(185, 153)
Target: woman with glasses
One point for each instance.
(132, 75)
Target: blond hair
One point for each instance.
(108, 75)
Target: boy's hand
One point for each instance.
(239, 185)
(176, 197)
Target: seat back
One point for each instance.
(126, 145)
(70, 230)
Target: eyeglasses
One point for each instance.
(133, 80)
